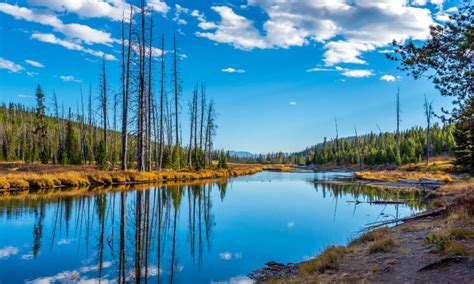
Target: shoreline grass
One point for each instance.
(88, 177)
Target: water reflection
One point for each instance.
(136, 235)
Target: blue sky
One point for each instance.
(278, 71)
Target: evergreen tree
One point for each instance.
(101, 155)
(72, 147)
(464, 139)
(41, 127)
(222, 160)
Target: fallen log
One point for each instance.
(381, 202)
(443, 261)
(429, 213)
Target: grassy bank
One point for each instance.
(438, 248)
(435, 171)
(40, 176)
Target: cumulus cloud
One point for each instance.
(177, 14)
(347, 29)
(158, 6)
(354, 73)
(78, 32)
(388, 78)
(232, 70)
(319, 69)
(357, 73)
(9, 65)
(52, 39)
(233, 29)
(67, 78)
(34, 63)
(6, 252)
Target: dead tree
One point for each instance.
(162, 96)
(125, 87)
(149, 98)
(192, 112)
(103, 100)
(176, 89)
(141, 94)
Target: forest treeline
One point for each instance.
(138, 127)
(371, 149)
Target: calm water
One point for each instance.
(184, 234)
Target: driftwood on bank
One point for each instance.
(425, 214)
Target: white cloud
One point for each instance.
(72, 79)
(50, 38)
(111, 9)
(232, 70)
(25, 96)
(31, 74)
(388, 78)
(319, 69)
(82, 33)
(67, 78)
(6, 252)
(34, 63)
(357, 73)
(233, 29)
(10, 66)
(177, 15)
(348, 29)
(158, 6)
(292, 103)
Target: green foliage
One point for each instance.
(101, 155)
(72, 146)
(464, 138)
(446, 59)
(376, 149)
(222, 160)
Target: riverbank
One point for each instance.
(22, 176)
(435, 246)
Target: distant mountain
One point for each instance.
(241, 154)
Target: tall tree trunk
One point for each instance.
(162, 96)
(176, 89)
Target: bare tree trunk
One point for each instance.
(104, 102)
(125, 88)
(192, 126)
(141, 94)
(150, 96)
(176, 89)
(162, 95)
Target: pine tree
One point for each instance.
(464, 138)
(41, 128)
(72, 147)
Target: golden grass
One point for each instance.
(77, 176)
(383, 245)
(328, 259)
(441, 166)
(371, 236)
(397, 175)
